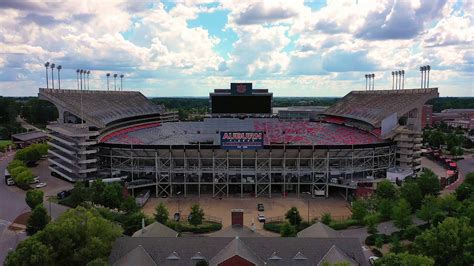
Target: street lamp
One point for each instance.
(46, 65)
(309, 197)
(177, 194)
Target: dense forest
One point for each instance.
(39, 112)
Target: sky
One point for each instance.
(191, 47)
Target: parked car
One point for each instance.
(40, 185)
(372, 259)
(63, 194)
(260, 207)
(261, 218)
(10, 182)
(35, 181)
(177, 216)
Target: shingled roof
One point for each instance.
(271, 250)
(155, 229)
(318, 229)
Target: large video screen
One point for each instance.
(241, 104)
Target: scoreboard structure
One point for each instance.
(241, 99)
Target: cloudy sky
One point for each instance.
(190, 47)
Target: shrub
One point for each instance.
(161, 213)
(287, 230)
(340, 225)
(371, 239)
(293, 216)
(205, 227)
(326, 218)
(196, 215)
(273, 226)
(411, 232)
(377, 252)
(34, 198)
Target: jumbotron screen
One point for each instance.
(241, 104)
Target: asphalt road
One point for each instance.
(12, 204)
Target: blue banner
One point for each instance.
(241, 140)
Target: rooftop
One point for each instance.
(28, 136)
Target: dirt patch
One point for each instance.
(20, 222)
(274, 207)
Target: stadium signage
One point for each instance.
(241, 88)
(241, 140)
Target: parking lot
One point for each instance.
(274, 207)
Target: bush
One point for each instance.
(371, 239)
(34, 198)
(287, 230)
(411, 232)
(14, 164)
(377, 252)
(344, 224)
(205, 227)
(161, 213)
(326, 218)
(293, 216)
(273, 226)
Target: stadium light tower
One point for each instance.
(46, 65)
(400, 79)
(80, 77)
(373, 81)
(115, 81)
(59, 76)
(121, 84)
(366, 80)
(52, 76)
(403, 79)
(88, 80)
(108, 75)
(77, 78)
(396, 80)
(393, 80)
(422, 68)
(428, 68)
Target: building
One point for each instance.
(456, 118)
(236, 251)
(111, 134)
(22, 140)
(427, 116)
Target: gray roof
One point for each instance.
(374, 106)
(102, 107)
(336, 255)
(137, 256)
(155, 229)
(313, 249)
(318, 229)
(233, 231)
(27, 136)
(236, 248)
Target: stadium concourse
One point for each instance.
(123, 136)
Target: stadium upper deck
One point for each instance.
(374, 106)
(208, 132)
(100, 108)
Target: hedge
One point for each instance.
(273, 226)
(344, 224)
(205, 227)
(370, 240)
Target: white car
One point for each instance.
(35, 180)
(40, 185)
(372, 259)
(10, 182)
(261, 218)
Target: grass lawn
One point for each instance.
(5, 142)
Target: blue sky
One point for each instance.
(190, 47)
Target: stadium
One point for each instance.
(241, 149)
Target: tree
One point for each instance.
(31, 251)
(112, 196)
(79, 194)
(24, 178)
(379, 241)
(384, 208)
(132, 222)
(359, 210)
(396, 246)
(37, 220)
(401, 214)
(77, 237)
(449, 204)
(287, 230)
(466, 189)
(436, 139)
(429, 207)
(412, 193)
(371, 221)
(449, 243)
(456, 151)
(129, 205)
(34, 198)
(197, 215)
(404, 259)
(161, 213)
(14, 164)
(97, 187)
(386, 190)
(293, 216)
(326, 218)
(428, 183)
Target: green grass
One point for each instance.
(5, 142)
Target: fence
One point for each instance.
(305, 218)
